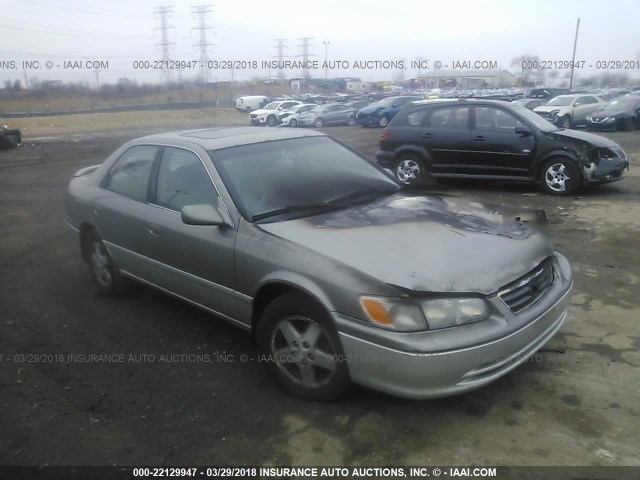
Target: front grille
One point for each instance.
(529, 288)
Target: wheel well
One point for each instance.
(425, 161)
(85, 229)
(270, 292)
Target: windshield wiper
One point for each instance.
(293, 209)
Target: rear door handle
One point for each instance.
(427, 135)
(154, 230)
(479, 138)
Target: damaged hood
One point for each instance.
(585, 138)
(423, 243)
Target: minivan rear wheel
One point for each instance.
(560, 176)
(408, 168)
(301, 349)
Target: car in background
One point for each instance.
(10, 138)
(358, 104)
(623, 113)
(289, 117)
(328, 114)
(612, 93)
(268, 115)
(264, 229)
(529, 103)
(567, 111)
(548, 93)
(248, 103)
(379, 114)
(493, 140)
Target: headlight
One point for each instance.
(399, 314)
(554, 113)
(450, 312)
(407, 315)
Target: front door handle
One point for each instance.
(154, 230)
(427, 135)
(479, 138)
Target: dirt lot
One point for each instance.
(576, 403)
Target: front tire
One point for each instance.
(565, 122)
(302, 349)
(408, 168)
(319, 123)
(271, 121)
(560, 176)
(293, 123)
(351, 121)
(104, 271)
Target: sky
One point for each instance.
(122, 32)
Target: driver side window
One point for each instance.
(183, 180)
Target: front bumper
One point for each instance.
(306, 122)
(417, 374)
(607, 170)
(259, 121)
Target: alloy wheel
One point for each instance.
(556, 177)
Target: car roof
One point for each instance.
(461, 101)
(217, 138)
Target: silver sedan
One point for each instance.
(340, 275)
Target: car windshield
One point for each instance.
(272, 106)
(534, 118)
(297, 177)
(561, 101)
(621, 103)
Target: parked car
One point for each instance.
(268, 115)
(612, 93)
(289, 117)
(328, 114)
(567, 111)
(623, 113)
(529, 103)
(379, 114)
(493, 140)
(10, 138)
(358, 104)
(548, 93)
(214, 218)
(249, 103)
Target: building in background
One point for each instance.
(465, 79)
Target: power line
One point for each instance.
(83, 11)
(162, 12)
(202, 11)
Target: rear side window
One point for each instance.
(415, 119)
(450, 117)
(130, 174)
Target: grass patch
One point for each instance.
(100, 122)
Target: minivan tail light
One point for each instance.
(385, 135)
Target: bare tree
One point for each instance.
(526, 63)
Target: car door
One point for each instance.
(583, 106)
(196, 260)
(121, 209)
(496, 147)
(340, 114)
(446, 136)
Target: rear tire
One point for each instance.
(560, 176)
(302, 349)
(319, 123)
(408, 168)
(383, 121)
(351, 121)
(629, 125)
(565, 122)
(104, 271)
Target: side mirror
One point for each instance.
(577, 104)
(525, 132)
(202, 214)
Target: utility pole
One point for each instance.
(305, 54)
(280, 46)
(97, 72)
(202, 11)
(162, 12)
(26, 81)
(573, 59)
(326, 66)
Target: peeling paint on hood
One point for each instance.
(423, 243)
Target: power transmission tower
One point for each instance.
(162, 12)
(280, 46)
(202, 11)
(305, 54)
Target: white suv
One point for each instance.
(268, 115)
(569, 110)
